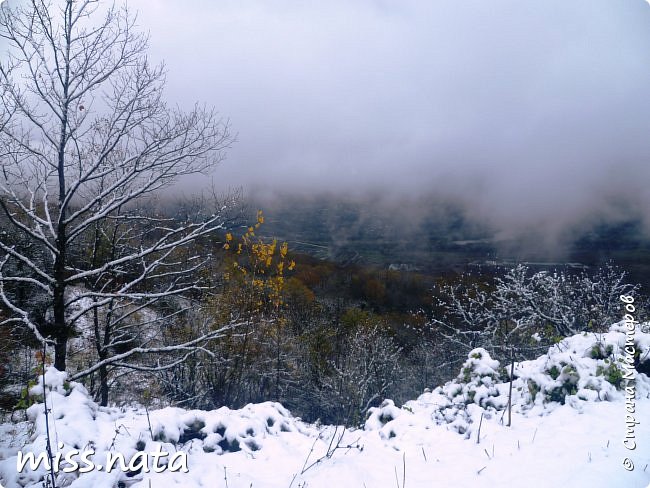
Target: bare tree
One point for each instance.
(363, 376)
(520, 305)
(85, 139)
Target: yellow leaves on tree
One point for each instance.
(228, 240)
(261, 264)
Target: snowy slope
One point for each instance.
(568, 428)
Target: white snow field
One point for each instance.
(568, 429)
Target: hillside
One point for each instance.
(437, 236)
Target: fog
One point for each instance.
(530, 114)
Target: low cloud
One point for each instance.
(533, 115)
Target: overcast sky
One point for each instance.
(533, 111)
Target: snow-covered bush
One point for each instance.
(476, 384)
(78, 423)
(378, 417)
(478, 377)
(581, 368)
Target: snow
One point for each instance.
(568, 427)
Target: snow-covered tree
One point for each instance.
(510, 310)
(361, 378)
(85, 139)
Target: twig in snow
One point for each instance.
(308, 455)
(48, 445)
(512, 377)
(403, 472)
(149, 421)
(329, 448)
(332, 447)
(118, 428)
(478, 435)
(293, 479)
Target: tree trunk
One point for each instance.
(103, 386)
(60, 350)
(512, 375)
(60, 328)
(60, 331)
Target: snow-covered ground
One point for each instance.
(568, 427)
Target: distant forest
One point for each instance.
(436, 237)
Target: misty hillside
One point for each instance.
(434, 236)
